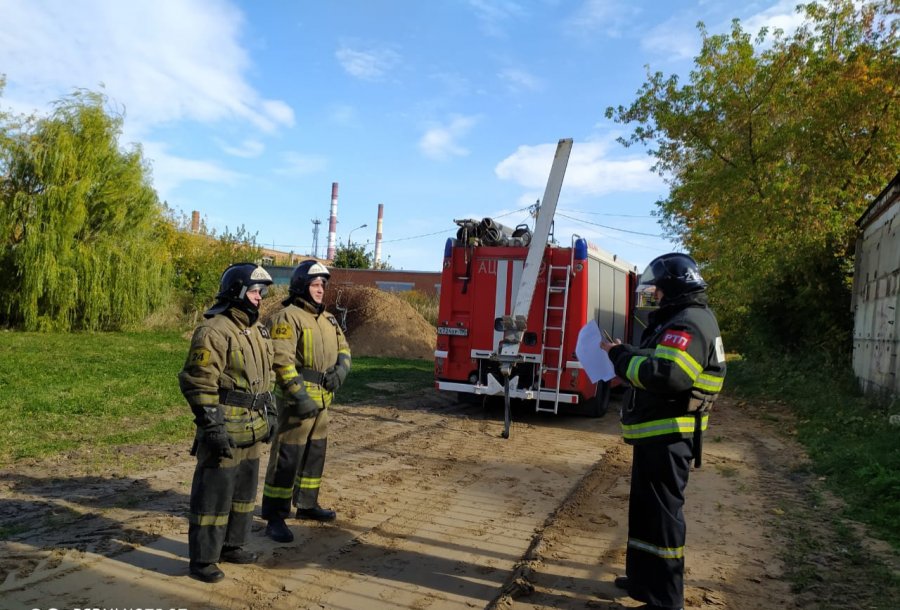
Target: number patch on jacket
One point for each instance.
(282, 330)
(677, 339)
(199, 357)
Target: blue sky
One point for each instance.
(438, 109)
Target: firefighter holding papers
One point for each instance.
(676, 374)
(312, 360)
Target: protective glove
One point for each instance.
(331, 381)
(218, 440)
(334, 377)
(272, 421)
(304, 407)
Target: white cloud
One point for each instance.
(590, 172)
(246, 149)
(494, 14)
(606, 17)
(169, 171)
(441, 141)
(344, 114)
(164, 61)
(296, 164)
(518, 79)
(675, 39)
(678, 37)
(371, 64)
(781, 15)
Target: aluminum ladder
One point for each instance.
(555, 300)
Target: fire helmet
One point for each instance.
(236, 282)
(675, 274)
(303, 276)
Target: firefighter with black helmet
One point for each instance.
(312, 360)
(675, 375)
(227, 381)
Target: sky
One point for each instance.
(248, 111)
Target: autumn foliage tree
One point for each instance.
(773, 148)
(80, 223)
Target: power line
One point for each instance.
(596, 224)
(607, 214)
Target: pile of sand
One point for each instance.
(378, 323)
(381, 324)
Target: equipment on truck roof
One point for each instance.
(511, 307)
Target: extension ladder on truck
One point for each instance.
(555, 300)
(513, 325)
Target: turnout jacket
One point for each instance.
(227, 378)
(308, 341)
(675, 374)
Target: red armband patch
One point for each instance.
(677, 339)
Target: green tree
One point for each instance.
(352, 256)
(772, 150)
(80, 224)
(198, 259)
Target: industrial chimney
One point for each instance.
(332, 223)
(195, 222)
(378, 234)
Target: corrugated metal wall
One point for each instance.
(876, 295)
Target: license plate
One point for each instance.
(450, 330)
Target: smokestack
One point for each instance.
(332, 223)
(195, 222)
(378, 234)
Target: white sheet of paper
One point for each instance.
(595, 361)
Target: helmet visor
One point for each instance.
(262, 288)
(651, 276)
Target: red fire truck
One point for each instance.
(574, 285)
(512, 305)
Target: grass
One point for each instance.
(852, 446)
(64, 392)
(394, 376)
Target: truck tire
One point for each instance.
(598, 405)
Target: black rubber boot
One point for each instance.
(207, 572)
(235, 554)
(317, 513)
(621, 582)
(278, 531)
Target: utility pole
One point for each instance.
(316, 222)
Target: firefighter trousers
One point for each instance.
(223, 496)
(654, 561)
(296, 463)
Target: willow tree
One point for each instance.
(80, 223)
(772, 149)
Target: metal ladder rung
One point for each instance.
(556, 292)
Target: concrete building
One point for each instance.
(876, 295)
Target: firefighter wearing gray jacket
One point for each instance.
(675, 374)
(227, 380)
(312, 360)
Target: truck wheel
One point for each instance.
(599, 404)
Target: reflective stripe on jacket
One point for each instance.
(676, 372)
(305, 339)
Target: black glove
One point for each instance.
(334, 377)
(330, 380)
(272, 421)
(218, 441)
(304, 407)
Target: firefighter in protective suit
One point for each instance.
(227, 380)
(312, 360)
(675, 375)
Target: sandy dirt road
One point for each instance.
(435, 510)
